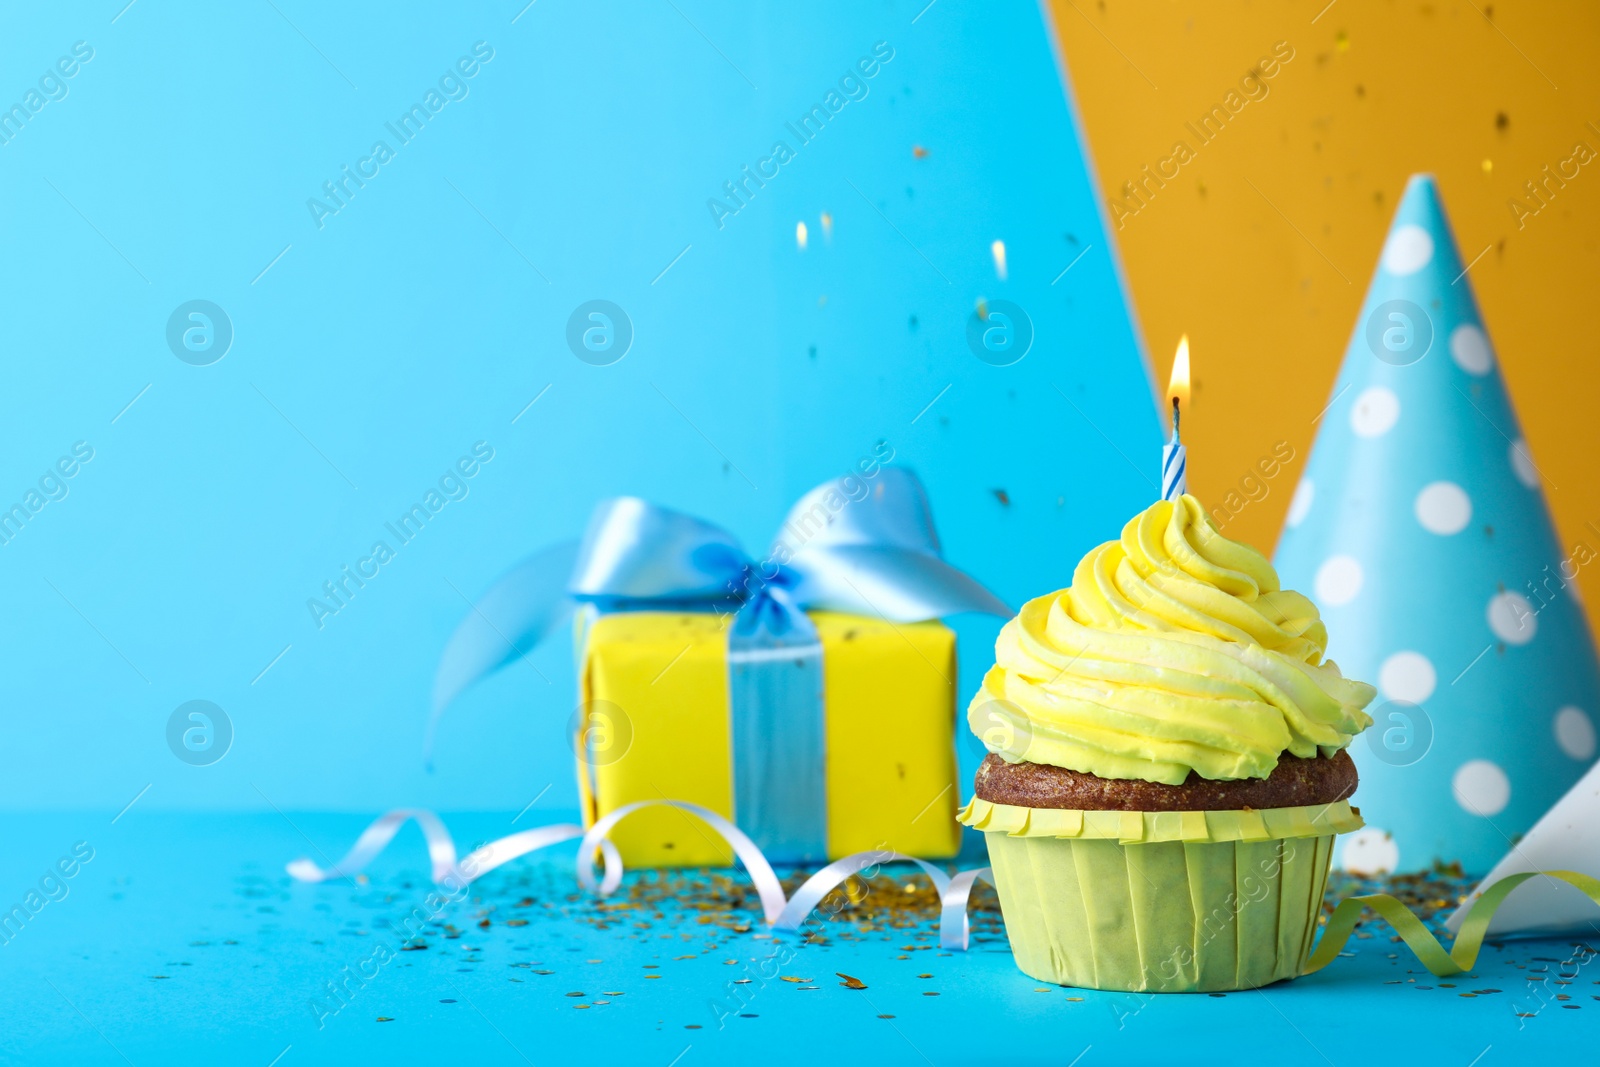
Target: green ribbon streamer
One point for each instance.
(1463, 954)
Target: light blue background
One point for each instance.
(379, 348)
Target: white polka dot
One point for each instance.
(1522, 464)
(1407, 676)
(1471, 351)
(1300, 506)
(1375, 412)
(1338, 581)
(1443, 508)
(1575, 733)
(1407, 251)
(1370, 850)
(1512, 618)
(1481, 787)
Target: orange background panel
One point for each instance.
(1262, 245)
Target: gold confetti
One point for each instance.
(849, 982)
(792, 978)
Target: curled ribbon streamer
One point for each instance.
(1463, 953)
(790, 913)
(376, 837)
(765, 878)
(785, 913)
(953, 907)
(954, 892)
(442, 850)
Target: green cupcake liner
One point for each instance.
(1173, 916)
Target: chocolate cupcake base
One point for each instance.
(1295, 782)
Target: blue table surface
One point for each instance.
(183, 941)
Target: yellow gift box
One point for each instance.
(655, 724)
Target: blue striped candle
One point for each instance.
(1174, 457)
(1174, 463)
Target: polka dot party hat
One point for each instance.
(1420, 529)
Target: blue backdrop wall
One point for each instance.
(372, 332)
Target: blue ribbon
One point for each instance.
(865, 547)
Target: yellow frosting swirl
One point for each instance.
(1174, 650)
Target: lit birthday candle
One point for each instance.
(1174, 459)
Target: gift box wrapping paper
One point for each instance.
(655, 723)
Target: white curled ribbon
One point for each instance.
(783, 913)
(442, 850)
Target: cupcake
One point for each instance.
(1167, 766)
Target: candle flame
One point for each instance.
(827, 226)
(1178, 387)
(800, 236)
(999, 250)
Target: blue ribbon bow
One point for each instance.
(866, 547)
